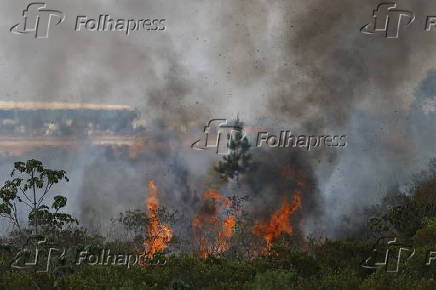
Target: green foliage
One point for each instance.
(283, 257)
(30, 184)
(134, 223)
(407, 219)
(50, 221)
(325, 264)
(338, 279)
(297, 270)
(274, 280)
(403, 215)
(237, 162)
(59, 202)
(392, 281)
(427, 234)
(340, 255)
(179, 285)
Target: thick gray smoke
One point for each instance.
(283, 64)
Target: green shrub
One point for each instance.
(382, 280)
(274, 280)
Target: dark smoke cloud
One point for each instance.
(362, 86)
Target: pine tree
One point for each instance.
(237, 161)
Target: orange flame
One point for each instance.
(279, 222)
(158, 234)
(212, 233)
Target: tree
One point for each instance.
(134, 222)
(30, 186)
(237, 162)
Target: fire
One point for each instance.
(159, 234)
(279, 222)
(212, 233)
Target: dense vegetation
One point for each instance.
(349, 263)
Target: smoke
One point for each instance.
(298, 65)
(365, 87)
